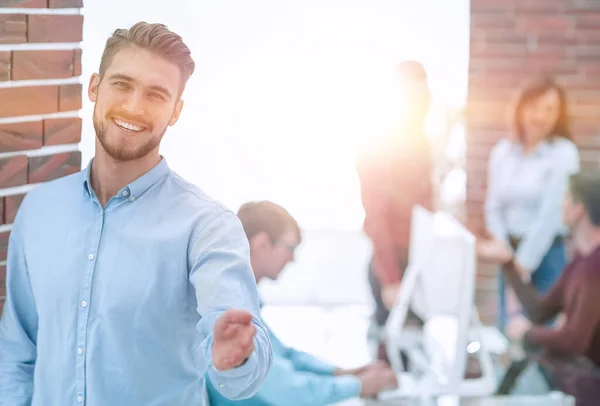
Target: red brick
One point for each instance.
(45, 168)
(501, 50)
(11, 206)
(4, 245)
(2, 210)
(588, 20)
(17, 101)
(62, 131)
(13, 28)
(24, 3)
(21, 136)
(55, 28)
(588, 36)
(70, 97)
(480, 6)
(490, 20)
(5, 65)
(583, 6)
(2, 280)
(537, 6)
(65, 3)
(13, 171)
(77, 62)
(500, 35)
(541, 23)
(27, 65)
(1, 306)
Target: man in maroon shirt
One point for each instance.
(577, 292)
(395, 174)
(569, 354)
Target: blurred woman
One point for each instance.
(527, 178)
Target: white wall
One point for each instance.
(285, 90)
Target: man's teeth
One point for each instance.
(128, 126)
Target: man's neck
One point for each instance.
(109, 175)
(586, 240)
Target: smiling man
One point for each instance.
(125, 283)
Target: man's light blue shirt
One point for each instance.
(116, 305)
(296, 379)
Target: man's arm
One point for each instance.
(221, 273)
(18, 327)
(539, 309)
(301, 361)
(576, 334)
(286, 386)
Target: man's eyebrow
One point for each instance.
(122, 77)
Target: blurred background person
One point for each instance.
(395, 174)
(296, 378)
(527, 178)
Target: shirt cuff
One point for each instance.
(349, 386)
(245, 369)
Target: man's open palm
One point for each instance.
(232, 339)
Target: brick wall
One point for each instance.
(511, 39)
(40, 99)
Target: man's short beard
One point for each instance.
(122, 154)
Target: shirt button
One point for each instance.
(80, 351)
(221, 385)
(91, 256)
(132, 199)
(80, 398)
(84, 304)
(125, 193)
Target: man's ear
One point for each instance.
(176, 112)
(93, 87)
(260, 241)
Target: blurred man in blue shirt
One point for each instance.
(126, 284)
(296, 378)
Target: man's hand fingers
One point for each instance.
(235, 316)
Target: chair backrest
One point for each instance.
(419, 253)
(439, 284)
(448, 286)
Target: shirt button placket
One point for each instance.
(84, 307)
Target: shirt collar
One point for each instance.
(135, 188)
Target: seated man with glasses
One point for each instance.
(296, 378)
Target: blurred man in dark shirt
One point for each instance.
(577, 292)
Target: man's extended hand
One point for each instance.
(376, 380)
(362, 369)
(232, 339)
(494, 251)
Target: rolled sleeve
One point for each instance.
(223, 279)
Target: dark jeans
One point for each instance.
(381, 314)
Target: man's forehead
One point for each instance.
(145, 67)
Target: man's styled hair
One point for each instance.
(585, 188)
(268, 217)
(155, 38)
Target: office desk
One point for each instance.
(551, 399)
